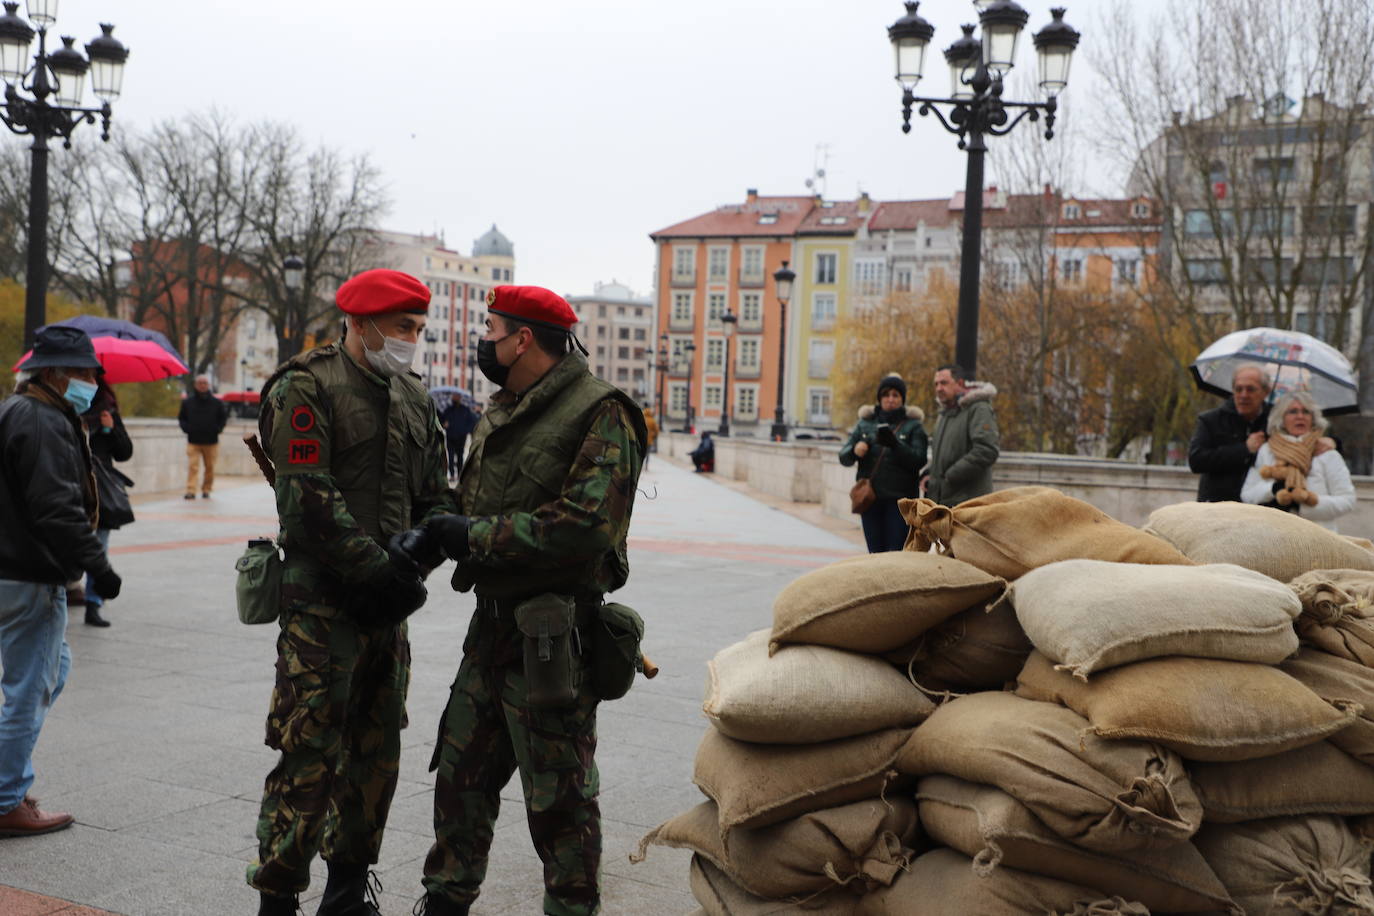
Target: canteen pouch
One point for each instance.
(546, 623)
(617, 631)
(258, 589)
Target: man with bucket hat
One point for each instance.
(48, 517)
(545, 500)
(359, 457)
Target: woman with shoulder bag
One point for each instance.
(109, 443)
(889, 446)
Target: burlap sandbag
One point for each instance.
(1278, 544)
(1316, 779)
(721, 896)
(996, 830)
(1338, 612)
(1112, 796)
(1010, 532)
(861, 846)
(755, 785)
(878, 602)
(1205, 709)
(806, 694)
(1087, 615)
(1338, 679)
(943, 883)
(1291, 866)
(977, 649)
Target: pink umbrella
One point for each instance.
(130, 360)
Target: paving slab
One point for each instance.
(156, 745)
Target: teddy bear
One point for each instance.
(1294, 489)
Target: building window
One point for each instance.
(1201, 224)
(1140, 210)
(682, 308)
(717, 265)
(622, 352)
(1006, 274)
(1072, 211)
(620, 311)
(712, 396)
(623, 333)
(1330, 220)
(750, 308)
(601, 311)
(1206, 270)
(622, 374)
(821, 358)
(901, 279)
(1127, 271)
(1273, 221)
(869, 279)
(252, 329)
(1071, 270)
(751, 267)
(822, 311)
(601, 352)
(677, 398)
(715, 305)
(1277, 169)
(746, 401)
(715, 354)
(818, 406)
(641, 334)
(826, 267)
(684, 263)
(748, 354)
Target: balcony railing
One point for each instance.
(817, 368)
(751, 324)
(755, 278)
(747, 370)
(822, 322)
(680, 323)
(684, 278)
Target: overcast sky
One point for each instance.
(577, 126)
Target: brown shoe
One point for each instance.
(27, 820)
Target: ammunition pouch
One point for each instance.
(548, 624)
(258, 589)
(616, 632)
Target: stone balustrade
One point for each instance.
(159, 460)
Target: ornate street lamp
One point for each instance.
(431, 338)
(976, 108)
(661, 369)
(473, 336)
(728, 319)
(689, 352)
(782, 287)
(52, 109)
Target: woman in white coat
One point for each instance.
(1289, 475)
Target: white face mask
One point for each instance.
(393, 358)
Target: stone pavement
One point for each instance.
(156, 745)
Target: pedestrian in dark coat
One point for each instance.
(109, 443)
(458, 420)
(966, 443)
(889, 446)
(1228, 437)
(202, 418)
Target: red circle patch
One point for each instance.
(302, 419)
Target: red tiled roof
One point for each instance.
(908, 214)
(837, 217)
(1043, 209)
(733, 220)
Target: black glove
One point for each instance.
(415, 551)
(886, 437)
(390, 601)
(451, 533)
(107, 584)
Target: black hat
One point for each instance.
(895, 382)
(56, 345)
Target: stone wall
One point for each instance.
(159, 460)
(804, 472)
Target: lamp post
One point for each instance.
(473, 337)
(661, 369)
(431, 338)
(727, 325)
(782, 287)
(59, 75)
(689, 351)
(977, 109)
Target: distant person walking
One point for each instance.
(889, 446)
(966, 442)
(651, 425)
(202, 418)
(109, 443)
(47, 538)
(458, 421)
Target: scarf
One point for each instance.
(1295, 452)
(46, 395)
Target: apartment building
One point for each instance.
(617, 328)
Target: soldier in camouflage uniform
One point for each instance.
(359, 457)
(545, 497)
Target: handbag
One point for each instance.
(115, 509)
(862, 496)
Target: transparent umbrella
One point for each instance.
(1295, 360)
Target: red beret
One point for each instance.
(377, 292)
(533, 304)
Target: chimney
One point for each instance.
(751, 196)
(1049, 189)
(865, 202)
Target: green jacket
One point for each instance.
(358, 459)
(964, 448)
(549, 485)
(898, 475)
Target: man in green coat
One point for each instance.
(545, 498)
(359, 458)
(889, 446)
(965, 445)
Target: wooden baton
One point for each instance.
(649, 668)
(260, 456)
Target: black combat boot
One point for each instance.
(272, 905)
(349, 892)
(433, 905)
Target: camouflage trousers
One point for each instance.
(337, 711)
(486, 734)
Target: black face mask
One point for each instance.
(491, 367)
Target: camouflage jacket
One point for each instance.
(549, 484)
(358, 459)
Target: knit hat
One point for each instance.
(895, 382)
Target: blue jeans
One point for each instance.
(93, 598)
(34, 661)
(884, 527)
